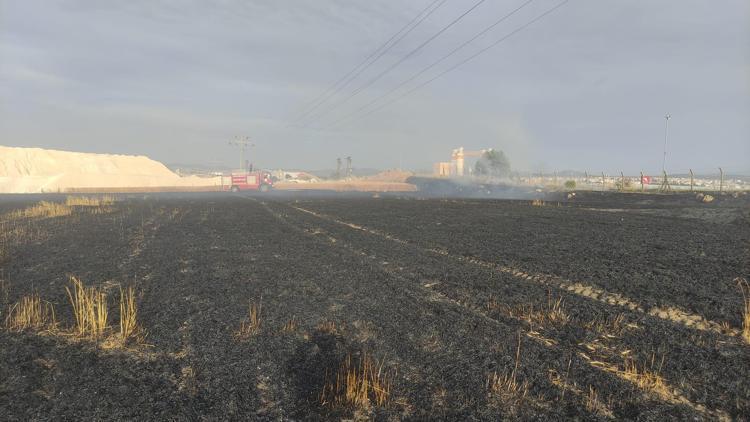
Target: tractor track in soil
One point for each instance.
(402, 261)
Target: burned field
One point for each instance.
(271, 308)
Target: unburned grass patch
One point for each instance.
(328, 327)
(646, 376)
(250, 325)
(290, 326)
(50, 209)
(595, 405)
(89, 308)
(43, 209)
(609, 325)
(31, 312)
(551, 313)
(93, 205)
(506, 389)
(89, 201)
(358, 383)
(90, 311)
(129, 326)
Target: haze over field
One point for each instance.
(584, 88)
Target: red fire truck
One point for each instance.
(254, 180)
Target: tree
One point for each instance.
(493, 163)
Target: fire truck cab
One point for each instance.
(254, 180)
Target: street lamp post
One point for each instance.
(666, 129)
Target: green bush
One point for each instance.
(570, 184)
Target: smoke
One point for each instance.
(471, 188)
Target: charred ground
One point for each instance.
(608, 306)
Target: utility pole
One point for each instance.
(666, 131)
(691, 180)
(721, 181)
(641, 181)
(348, 167)
(243, 142)
(338, 168)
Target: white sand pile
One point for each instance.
(28, 170)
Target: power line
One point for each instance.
(435, 63)
(396, 64)
(380, 51)
(462, 62)
(362, 66)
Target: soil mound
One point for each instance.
(28, 170)
(390, 176)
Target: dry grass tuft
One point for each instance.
(93, 205)
(328, 327)
(593, 404)
(745, 289)
(609, 325)
(357, 384)
(129, 326)
(46, 209)
(250, 326)
(31, 313)
(88, 201)
(43, 209)
(506, 387)
(646, 377)
(290, 326)
(89, 309)
(553, 313)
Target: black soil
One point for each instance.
(433, 288)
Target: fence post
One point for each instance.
(604, 185)
(665, 187)
(721, 181)
(622, 182)
(691, 180)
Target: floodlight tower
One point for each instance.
(243, 142)
(666, 131)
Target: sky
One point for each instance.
(585, 87)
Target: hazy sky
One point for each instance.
(585, 88)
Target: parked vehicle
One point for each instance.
(244, 181)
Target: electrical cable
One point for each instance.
(466, 60)
(435, 63)
(362, 66)
(396, 64)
